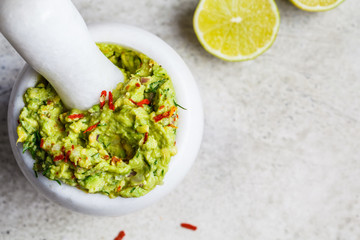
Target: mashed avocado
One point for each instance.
(120, 147)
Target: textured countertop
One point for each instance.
(280, 157)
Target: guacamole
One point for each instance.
(119, 147)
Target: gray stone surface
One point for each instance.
(280, 157)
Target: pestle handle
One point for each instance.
(53, 38)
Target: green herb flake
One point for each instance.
(155, 85)
(26, 147)
(37, 137)
(147, 163)
(177, 105)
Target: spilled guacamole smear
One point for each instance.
(119, 147)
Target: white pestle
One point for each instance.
(53, 38)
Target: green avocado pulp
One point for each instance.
(122, 148)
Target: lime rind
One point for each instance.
(239, 57)
(305, 7)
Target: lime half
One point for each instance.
(236, 30)
(316, 5)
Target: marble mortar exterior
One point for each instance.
(280, 157)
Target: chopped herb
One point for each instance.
(37, 137)
(33, 152)
(132, 189)
(23, 126)
(155, 85)
(147, 163)
(36, 174)
(177, 105)
(58, 182)
(26, 147)
(45, 172)
(100, 141)
(95, 155)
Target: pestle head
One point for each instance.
(53, 39)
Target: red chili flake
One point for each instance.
(144, 101)
(137, 84)
(141, 103)
(115, 159)
(118, 189)
(106, 157)
(161, 107)
(73, 164)
(73, 176)
(133, 101)
(102, 99)
(174, 143)
(111, 104)
(173, 126)
(161, 116)
(120, 236)
(72, 147)
(62, 149)
(91, 127)
(127, 87)
(42, 143)
(188, 226)
(58, 158)
(146, 137)
(48, 102)
(67, 156)
(76, 116)
(165, 114)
